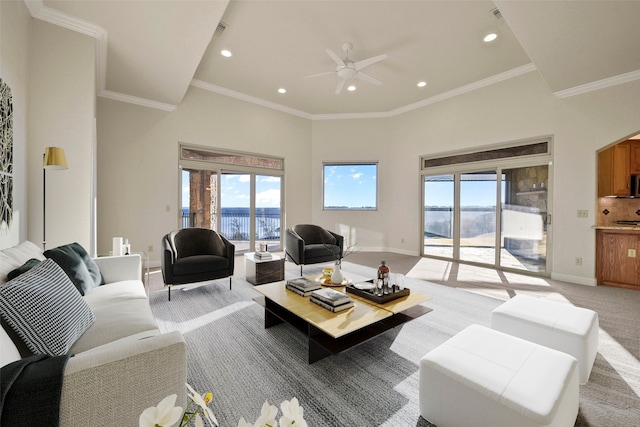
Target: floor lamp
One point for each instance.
(52, 159)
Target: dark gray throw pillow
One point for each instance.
(76, 262)
(44, 309)
(23, 268)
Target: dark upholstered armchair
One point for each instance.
(194, 255)
(312, 244)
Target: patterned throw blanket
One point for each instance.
(31, 390)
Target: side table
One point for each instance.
(260, 271)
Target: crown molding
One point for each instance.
(249, 98)
(599, 84)
(130, 99)
(509, 74)
(38, 10)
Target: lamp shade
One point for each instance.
(54, 158)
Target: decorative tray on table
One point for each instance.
(367, 290)
(326, 281)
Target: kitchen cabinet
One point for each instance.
(613, 170)
(618, 258)
(634, 154)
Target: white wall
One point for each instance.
(516, 109)
(138, 160)
(14, 42)
(61, 106)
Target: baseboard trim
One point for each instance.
(575, 279)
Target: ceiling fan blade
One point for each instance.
(335, 57)
(326, 73)
(366, 62)
(340, 86)
(367, 78)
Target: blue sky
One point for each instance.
(350, 185)
(473, 193)
(235, 191)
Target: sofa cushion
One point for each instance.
(199, 264)
(23, 268)
(121, 309)
(43, 307)
(81, 269)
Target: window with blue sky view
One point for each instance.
(350, 186)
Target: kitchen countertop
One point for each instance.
(617, 227)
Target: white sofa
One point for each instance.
(122, 364)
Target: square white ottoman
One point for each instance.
(482, 377)
(564, 327)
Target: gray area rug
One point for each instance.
(374, 384)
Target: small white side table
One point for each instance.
(261, 271)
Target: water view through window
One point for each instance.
(236, 209)
(350, 186)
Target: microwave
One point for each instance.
(635, 186)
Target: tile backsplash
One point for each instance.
(618, 209)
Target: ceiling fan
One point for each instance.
(347, 69)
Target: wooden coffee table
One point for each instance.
(331, 333)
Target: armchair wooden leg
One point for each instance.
(300, 269)
(169, 292)
(229, 282)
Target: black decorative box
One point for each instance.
(371, 296)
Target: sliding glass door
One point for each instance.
(267, 218)
(493, 217)
(524, 219)
(478, 192)
(236, 194)
(438, 221)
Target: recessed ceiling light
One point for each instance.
(490, 37)
(351, 88)
(422, 84)
(225, 53)
(282, 90)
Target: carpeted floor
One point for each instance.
(376, 383)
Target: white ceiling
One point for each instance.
(151, 51)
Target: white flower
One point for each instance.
(199, 422)
(243, 423)
(199, 400)
(292, 414)
(163, 415)
(267, 416)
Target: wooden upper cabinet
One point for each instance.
(614, 170)
(634, 164)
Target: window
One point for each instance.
(237, 194)
(350, 186)
(489, 207)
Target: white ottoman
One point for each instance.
(566, 328)
(481, 377)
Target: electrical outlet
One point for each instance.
(583, 213)
(631, 253)
(150, 248)
(578, 260)
(167, 208)
(402, 240)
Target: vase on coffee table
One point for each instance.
(336, 277)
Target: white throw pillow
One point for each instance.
(8, 350)
(44, 308)
(24, 251)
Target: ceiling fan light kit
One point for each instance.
(346, 69)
